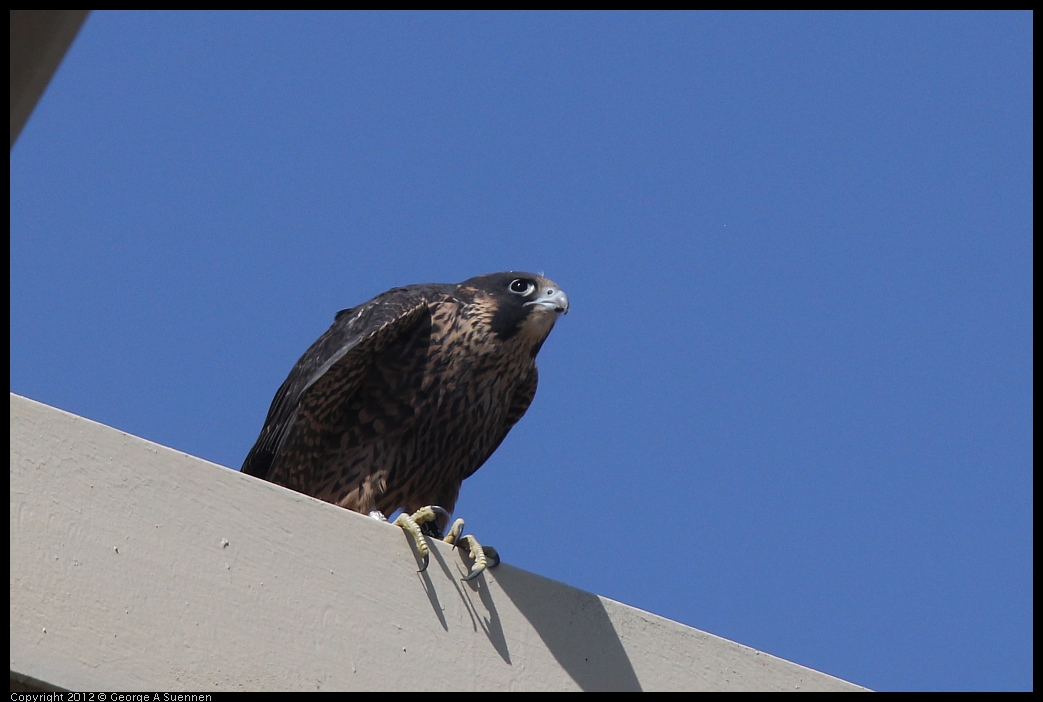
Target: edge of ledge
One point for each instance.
(139, 567)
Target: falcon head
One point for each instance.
(516, 303)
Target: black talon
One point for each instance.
(434, 528)
(492, 559)
(426, 560)
(431, 529)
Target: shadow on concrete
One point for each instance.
(489, 624)
(586, 645)
(425, 580)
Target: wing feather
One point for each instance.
(329, 371)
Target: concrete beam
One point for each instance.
(136, 567)
(39, 40)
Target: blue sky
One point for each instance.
(791, 403)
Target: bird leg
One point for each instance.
(424, 522)
(483, 557)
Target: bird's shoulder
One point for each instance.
(328, 368)
(365, 330)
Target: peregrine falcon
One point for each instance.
(407, 395)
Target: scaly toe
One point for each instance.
(484, 557)
(409, 524)
(424, 520)
(454, 532)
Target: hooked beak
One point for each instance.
(552, 299)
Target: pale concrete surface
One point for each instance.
(137, 567)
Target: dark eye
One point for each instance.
(522, 287)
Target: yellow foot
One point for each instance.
(410, 523)
(483, 557)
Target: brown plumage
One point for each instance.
(407, 395)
